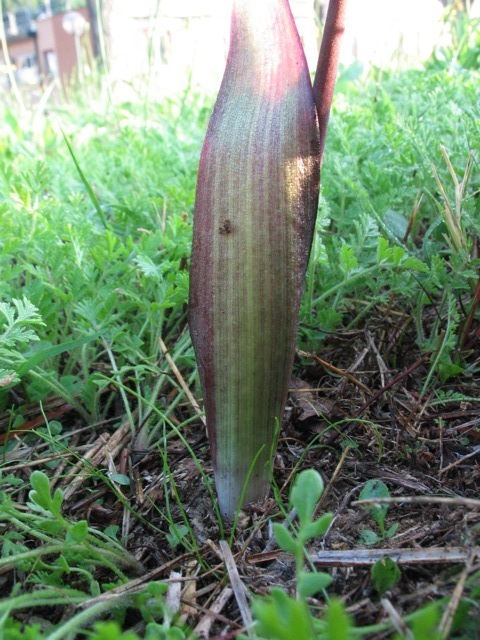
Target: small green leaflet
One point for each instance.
(45, 354)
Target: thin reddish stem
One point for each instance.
(327, 66)
(471, 314)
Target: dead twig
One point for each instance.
(332, 480)
(181, 381)
(334, 369)
(106, 447)
(172, 597)
(203, 627)
(466, 502)
(475, 452)
(368, 557)
(136, 585)
(397, 619)
(447, 618)
(38, 421)
(237, 586)
(392, 382)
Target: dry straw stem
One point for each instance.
(237, 585)
(203, 627)
(461, 460)
(181, 380)
(138, 584)
(368, 557)
(106, 448)
(189, 593)
(458, 501)
(334, 369)
(453, 216)
(447, 618)
(397, 620)
(172, 598)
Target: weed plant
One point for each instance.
(95, 230)
(95, 236)
(386, 237)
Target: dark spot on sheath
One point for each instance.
(225, 227)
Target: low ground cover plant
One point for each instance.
(95, 244)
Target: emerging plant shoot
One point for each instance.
(255, 210)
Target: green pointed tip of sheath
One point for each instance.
(255, 209)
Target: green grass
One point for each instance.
(95, 229)
(105, 250)
(385, 240)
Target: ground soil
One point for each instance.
(356, 411)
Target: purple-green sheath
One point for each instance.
(255, 209)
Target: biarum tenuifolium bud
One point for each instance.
(255, 210)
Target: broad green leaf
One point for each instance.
(384, 251)
(283, 618)
(396, 222)
(425, 623)
(53, 527)
(308, 584)
(77, 533)
(10, 479)
(112, 531)
(63, 563)
(111, 630)
(40, 493)
(316, 528)
(369, 537)
(392, 530)
(157, 589)
(385, 574)
(414, 264)
(174, 633)
(347, 259)
(45, 354)
(120, 478)
(305, 494)
(337, 622)
(376, 489)
(176, 535)
(285, 539)
(95, 589)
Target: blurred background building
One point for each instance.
(45, 43)
(172, 42)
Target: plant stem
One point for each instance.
(80, 619)
(327, 66)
